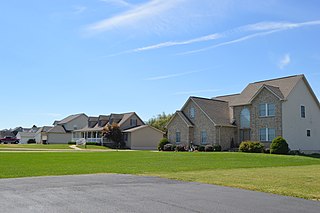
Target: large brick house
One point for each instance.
(263, 110)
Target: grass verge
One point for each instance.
(287, 175)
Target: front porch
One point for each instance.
(89, 136)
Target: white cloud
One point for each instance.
(79, 9)
(155, 78)
(195, 92)
(260, 29)
(140, 13)
(120, 3)
(176, 43)
(284, 61)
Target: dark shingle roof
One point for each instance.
(69, 118)
(216, 110)
(279, 86)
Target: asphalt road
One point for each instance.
(128, 193)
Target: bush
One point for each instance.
(217, 148)
(168, 147)
(71, 143)
(92, 143)
(251, 146)
(201, 148)
(180, 148)
(162, 143)
(208, 148)
(31, 141)
(279, 146)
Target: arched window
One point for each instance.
(245, 118)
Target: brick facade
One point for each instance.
(201, 123)
(256, 121)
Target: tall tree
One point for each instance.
(114, 134)
(160, 121)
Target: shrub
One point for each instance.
(92, 143)
(71, 143)
(217, 148)
(279, 146)
(208, 148)
(162, 143)
(251, 146)
(168, 147)
(31, 141)
(201, 148)
(180, 148)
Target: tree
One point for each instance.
(114, 134)
(160, 121)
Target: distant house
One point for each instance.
(136, 134)
(62, 130)
(24, 137)
(93, 130)
(263, 110)
(41, 135)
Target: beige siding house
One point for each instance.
(62, 130)
(25, 136)
(142, 137)
(263, 110)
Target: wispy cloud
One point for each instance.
(258, 29)
(195, 92)
(140, 13)
(121, 3)
(79, 9)
(284, 61)
(162, 77)
(176, 43)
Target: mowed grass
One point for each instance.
(34, 146)
(287, 175)
(16, 147)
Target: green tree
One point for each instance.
(160, 121)
(114, 134)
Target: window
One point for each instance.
(125, 137)
(303, 111)
(75, 127)
(203, 137)
(308, 133)
(266, 110)
(192, 112)
(178, 137)
(267, 134)
(133, 122)
(245, 118)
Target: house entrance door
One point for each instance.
(244, 135)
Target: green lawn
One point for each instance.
(16, 147)
(287, 175)
(34, 146)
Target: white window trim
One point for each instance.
(267, 134)
(267, 110)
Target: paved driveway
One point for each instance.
(128, 193)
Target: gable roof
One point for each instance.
(183, 117)
(70, 118)
(142, 127)
(216, 110)
(57, 129)
(44, 129)
(281, 87)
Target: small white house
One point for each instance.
(25, 136)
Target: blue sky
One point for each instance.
(100, 56)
